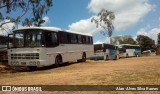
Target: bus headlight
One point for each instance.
(34, 62)
(14, 62)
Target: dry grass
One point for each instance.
(127, 71)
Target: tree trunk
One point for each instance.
(110, 38)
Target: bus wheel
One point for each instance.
(84, 57)
(107, 57)
(115, 58)
(58, 60)
(127, 55)
(32, 68)
(118, 57)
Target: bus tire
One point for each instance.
(58, 60)
(107, 57)
(118, 57)
(115, 57)
(84, 57)
(32, 68)
(127, 55)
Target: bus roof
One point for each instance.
(104, 44)
(53, 29)
(78, 33)
(127, 45)
(44, 28)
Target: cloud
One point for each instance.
(84, 26)
(6, 28)
(153, 33)
(107, 40)
(47, 20)
(119, 6)
(127, 12)
(142, 31)
(99, 42)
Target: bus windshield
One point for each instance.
(29, 38)
(34, 38)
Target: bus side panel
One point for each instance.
(73, 52)
(69, 52)
(90, 51)
(130, 52)
(43, 57)
(51, 54)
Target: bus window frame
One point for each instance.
(44, 42)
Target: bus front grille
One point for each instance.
(25, 56)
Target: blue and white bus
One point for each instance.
(105, 52)
(129, 50)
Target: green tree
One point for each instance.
(15, 11)
(123, 40)
(145, 42)
(129, 41)
(104, 19)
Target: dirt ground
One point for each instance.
(126, 71)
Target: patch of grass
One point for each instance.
(137, 78)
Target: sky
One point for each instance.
(132, 17)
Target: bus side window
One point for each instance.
(51, 39)
(87, 41)
(91, 40)
(83, 39)
(64, 37)
(73, 38)
(69, 37)
(48, 37)
(79, 39)
(54, 37)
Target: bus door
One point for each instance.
(10, 41)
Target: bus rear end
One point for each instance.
(112, 52)
(105, 52)
(98, 52)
